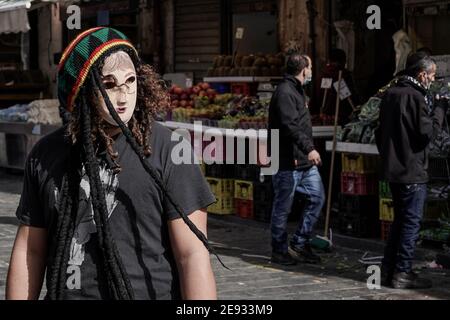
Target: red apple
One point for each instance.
(178, 90)
(205, 86)
(202, 93)
(175, 103)
(184, 96)
(196, 89)
(183, 103)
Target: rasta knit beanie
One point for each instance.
(85, 52)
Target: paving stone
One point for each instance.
(245, 248)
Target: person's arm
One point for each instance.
(192, 258)
(27, 266)
(428, 127)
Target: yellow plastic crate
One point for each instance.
(387, 210)
(221, 187)
(358, 163)
(223, 206)
(435, 209)
(243, 190)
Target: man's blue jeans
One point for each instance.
(409, 201)
(285, 184)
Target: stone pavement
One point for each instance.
(244, 246)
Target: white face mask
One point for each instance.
(428, 78)
(308, 75)
(120, 81)
(308, 79)
(427, 83)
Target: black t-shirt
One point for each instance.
(138, 213)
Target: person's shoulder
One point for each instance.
(163, 139)
(284, 86)
(404, 91)
(54, 141)
(161, 132)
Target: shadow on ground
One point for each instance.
(251, 244)
(11, 181)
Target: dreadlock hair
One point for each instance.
(118, 282)
(86, 132)
(151, 171)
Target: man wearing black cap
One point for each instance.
(407, 125)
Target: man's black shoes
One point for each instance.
(283, 259)
(304, 254)
(409, 280)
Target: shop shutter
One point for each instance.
(197, 36)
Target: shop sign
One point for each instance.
(326, 83)
(345, 91)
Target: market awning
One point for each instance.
(13, 13)
(13, 16)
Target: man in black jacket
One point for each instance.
(298, 165)
(407, 126)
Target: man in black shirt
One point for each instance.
(406, 128)
(105, 212)
(298, 164)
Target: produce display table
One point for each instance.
(17, 139)
(318, 132)
(239, 79)
(346, 147)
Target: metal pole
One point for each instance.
(333, 155)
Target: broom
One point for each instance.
(325, 243)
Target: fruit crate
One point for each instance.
(358, 184)
(360, 227)
(359, 163)
(220, 171)
(221, 187)
(244, 208)
(359, 205)
(243, 190)
(385, 230)
(438, 168)
(384, 190)
(433, 210)
(223, 206)
(387, 210)
(248, 172)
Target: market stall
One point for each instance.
(365, 200)
(231, 97)
(21, 126)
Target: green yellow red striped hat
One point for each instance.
(85, 51)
